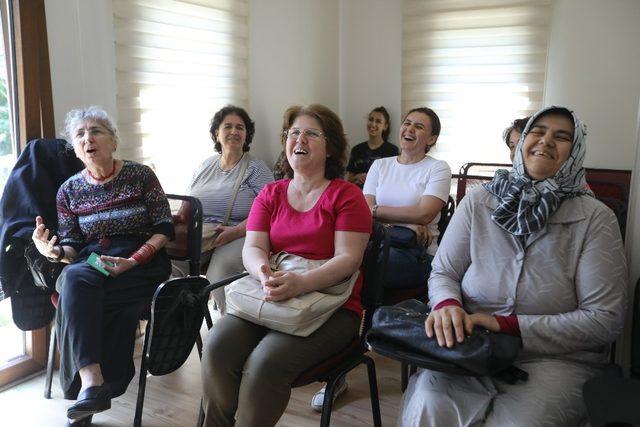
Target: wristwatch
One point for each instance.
(374, 210)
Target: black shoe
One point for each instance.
(91, 401)
(82, 422)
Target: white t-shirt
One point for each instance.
(397, 185)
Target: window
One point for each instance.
(177, 63)
(26, 112)
(479, 65)
(8, 141)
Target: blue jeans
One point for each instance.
(407, 267)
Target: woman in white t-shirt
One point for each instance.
(409, 191)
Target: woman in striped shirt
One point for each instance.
(213, 182)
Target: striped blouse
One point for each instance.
(213, 187)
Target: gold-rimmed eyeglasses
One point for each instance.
(310, 134)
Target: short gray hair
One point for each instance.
(82, 115)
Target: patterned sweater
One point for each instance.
(133, 203)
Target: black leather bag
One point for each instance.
(398, 332)
(407, 264)
(44, 272)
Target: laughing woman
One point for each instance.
(410, 190)
(118, 210)
(376, 147)
(531, 254)
(247, 368)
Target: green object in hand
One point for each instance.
(97, 263)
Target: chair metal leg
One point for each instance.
(412, 370)
(373, 391)
(199, 346)
(200, 416)
(142, 383)
(404, 376)
(207, 317)
(328, 402)
(50, 358)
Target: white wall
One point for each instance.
(345, 54)
(370, 63)
(82, 55)
(594, 68)
(293, 59)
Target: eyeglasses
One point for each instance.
(310, 134)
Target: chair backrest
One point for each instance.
(445, 216)
(187, 220)
(473, 174)
(176, 317)
(372, 291)
(611, 187)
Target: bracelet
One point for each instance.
(374, 210)
(60, 256)
(145, 253)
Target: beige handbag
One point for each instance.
(301, 315)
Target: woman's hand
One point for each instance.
(120, 265)
(486, 321)
(449, 324)
(453, 320)
(423, 234)
(41, 239)
(283, 285)
(226, 234)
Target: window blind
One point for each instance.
(479, 64)
(177, 63)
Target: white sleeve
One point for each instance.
(371, 182)
(439, 184)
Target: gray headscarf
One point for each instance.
(524, 203)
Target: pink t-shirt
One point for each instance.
(311, 234)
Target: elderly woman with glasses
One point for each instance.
(248, 369)
(531, 254)
(117, 210)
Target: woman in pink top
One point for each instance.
(248, 369)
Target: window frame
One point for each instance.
(33, 102)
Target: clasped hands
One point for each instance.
(423, 235)
(450, 324)
(280, 285)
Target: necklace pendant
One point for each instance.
(104, 242)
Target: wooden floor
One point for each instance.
(173, 400)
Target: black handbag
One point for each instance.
(402, 237)
(44, 272)
(398, 332)
(407, 264)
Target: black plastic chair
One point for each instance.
(332, 369)
(178, 307)
(611, 399)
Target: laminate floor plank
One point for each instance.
(173, 400)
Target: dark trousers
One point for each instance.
(248, 369)
(97, 319)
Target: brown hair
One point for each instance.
(337, 147)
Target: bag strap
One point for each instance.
(246, 158)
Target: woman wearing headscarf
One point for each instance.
(532, 254)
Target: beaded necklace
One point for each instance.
(113, 171)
